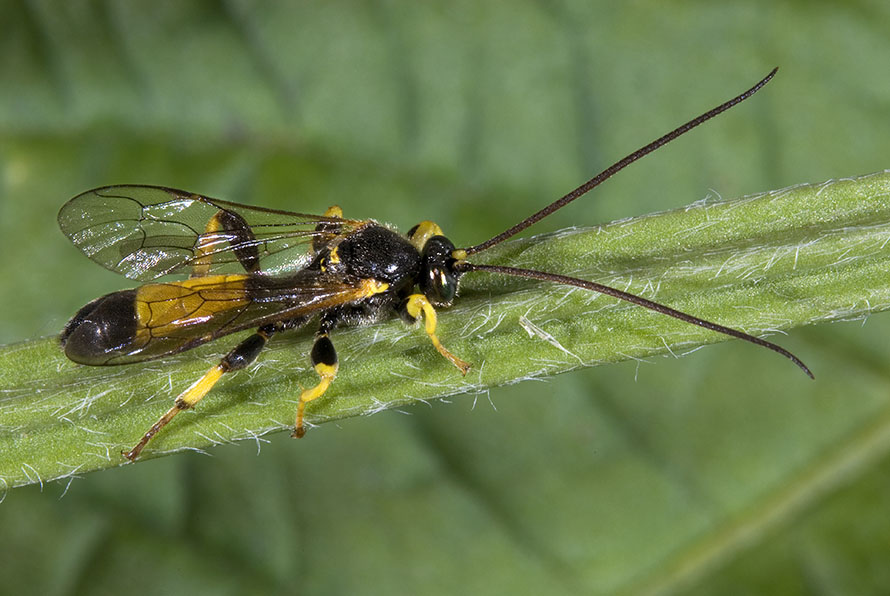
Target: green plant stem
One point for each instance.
(761, 264)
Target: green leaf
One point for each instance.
(727, 471)
(769, 262)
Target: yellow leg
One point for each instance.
(417, 305)
(327, 372)
(334, 211)
(242, 355)
(187, 399)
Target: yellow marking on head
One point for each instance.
(335, 256)
(459, 254)
(425, 230)
(334, 211)
(168, 307)
(417, 305)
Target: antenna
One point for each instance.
(464, 267)
(617, 167)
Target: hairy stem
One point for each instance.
(759, 264)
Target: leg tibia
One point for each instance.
(324, 360)
(242, 355)
(418, 305)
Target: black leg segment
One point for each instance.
(241, 356)
(324, 361)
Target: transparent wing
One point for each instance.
(176, 316)
(145, 232)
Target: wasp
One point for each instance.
(272, 271)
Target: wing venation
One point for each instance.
(146, 232)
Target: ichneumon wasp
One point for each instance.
(270, 270)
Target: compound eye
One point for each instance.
(438, 282)
(444, 287)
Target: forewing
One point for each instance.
(176, 316)
(145, 232)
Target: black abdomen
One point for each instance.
(101, 330)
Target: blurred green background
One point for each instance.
(720, 472)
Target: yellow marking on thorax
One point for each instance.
(333, 258)
(168, 307)
(370, 287)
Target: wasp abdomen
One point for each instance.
(102, 329)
